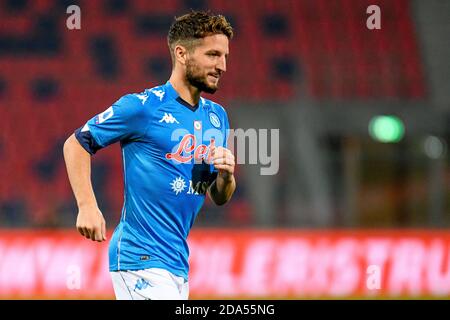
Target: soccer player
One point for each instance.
(174, 151)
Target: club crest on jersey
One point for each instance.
(214, 119)
(188, 150)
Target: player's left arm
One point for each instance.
(221, 190)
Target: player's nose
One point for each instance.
(222, 64)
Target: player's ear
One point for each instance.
(180, 54)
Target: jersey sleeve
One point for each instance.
(125, 120)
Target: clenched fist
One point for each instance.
(223, 161)
(91, 224)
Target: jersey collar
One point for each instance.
(173, 94)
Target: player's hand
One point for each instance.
(91, 224)
(223, 161)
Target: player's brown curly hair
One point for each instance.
(189, 28)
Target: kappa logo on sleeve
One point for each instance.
(142, 96)
(158, 93)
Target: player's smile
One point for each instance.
(214, 78)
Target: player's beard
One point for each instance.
(197, 78)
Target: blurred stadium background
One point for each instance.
(358, 197)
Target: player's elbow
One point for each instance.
(221, 197)
(215, 197)
(220, 202)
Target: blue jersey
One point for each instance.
(165, 146)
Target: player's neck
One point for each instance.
(187, 92)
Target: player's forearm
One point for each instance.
(78, 165)
(222, 189)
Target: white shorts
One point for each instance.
(149, 284)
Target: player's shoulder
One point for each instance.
(145, 97)
(143, 101)
(214, 107)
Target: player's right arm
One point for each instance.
(90, 222)
(125, 120)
